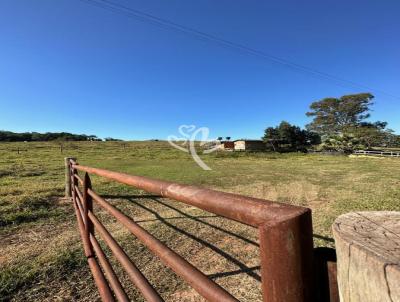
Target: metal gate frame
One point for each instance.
(285, 235)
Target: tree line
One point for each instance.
(8, 136)
(338, 124)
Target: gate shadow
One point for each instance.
(243, 268)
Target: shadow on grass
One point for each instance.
(15, 218)
(243, 267)
(29, 210)
(196, 218)
(173, 218)
(235, 272)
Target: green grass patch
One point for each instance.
(32, 183)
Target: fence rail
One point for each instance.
(285, 234)
(378, 153)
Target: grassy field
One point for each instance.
(41, 255)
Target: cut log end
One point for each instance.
(368, 253)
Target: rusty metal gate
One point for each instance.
(285, 235)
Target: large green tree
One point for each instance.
(346, 143)
(287, 137)
(333, 116)
(342, 122)
(372, 134)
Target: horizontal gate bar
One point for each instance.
(134, 274)
(248, 210)
(80, 207)
(112, 277)
(78, 178)
(79, 193)
(119, 292)
(98, 276)
(200, 282)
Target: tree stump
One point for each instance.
(368, 256)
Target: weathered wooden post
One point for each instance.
(68, 191)
(368, 256)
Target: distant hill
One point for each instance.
(8, 136)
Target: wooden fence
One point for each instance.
(378, 153)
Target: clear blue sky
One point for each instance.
(66, 65)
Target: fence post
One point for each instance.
(368, 262)
(286, 249)
(68, 190)
(87, 206)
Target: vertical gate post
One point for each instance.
(286, 249)
(68, 191)
(87, 206)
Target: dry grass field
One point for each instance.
(41, 257)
